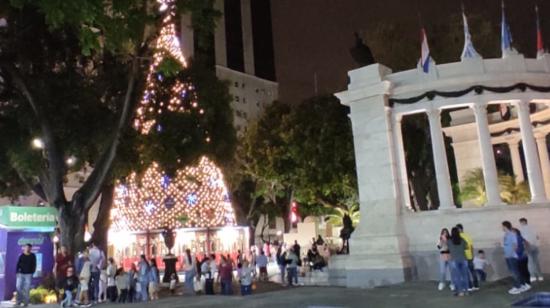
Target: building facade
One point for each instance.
(392, 243)
(243, 51)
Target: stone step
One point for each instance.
(315, 278)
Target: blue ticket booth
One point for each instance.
(19, 226)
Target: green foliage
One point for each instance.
(169, 67)
(38, 295)
(337, 215)
(510, 191)
(302, 153)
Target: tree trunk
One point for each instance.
(103, 220)
(72, 221)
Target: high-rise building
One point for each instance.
(244, 56)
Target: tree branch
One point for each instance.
(91, 189)
(36, 188)
(52, 180)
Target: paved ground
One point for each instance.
(410, 295)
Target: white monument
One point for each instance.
(393, 243)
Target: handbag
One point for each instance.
(197, 285)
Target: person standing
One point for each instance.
(245, 277)
(153, 280)
(473, 283)
(84, 279)
(281, 262)
(226, 276)
(62, 262)
(297, 250)
(111, 282)
(510, 245)
(292, 266)
(122, 285)
(459, 263)
(533, 250)
(523, 262)
(444, 258)
(26, 266)
(97, 259)
(143, 278)
(131, 283)
(262, 262)
(190, 267)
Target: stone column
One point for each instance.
(516, 161)
(490, 175)
(443, 178)
(401, 161)
(544, 162)
(534, 174)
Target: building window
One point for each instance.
(244, 100)
(236, 98)
(236, 84)
(242, 85)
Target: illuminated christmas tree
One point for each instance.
(157, 201)
(166, 88)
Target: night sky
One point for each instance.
(314, 36)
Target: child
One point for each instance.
(479, 265)
(245, 276)
(69, 285)
(122, 285)
(84, 279)
(102, 286)
(173, 284)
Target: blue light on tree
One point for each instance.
(165, 181)
(149, 206)
(192, 199)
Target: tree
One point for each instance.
(302, 153)
(321, 149)
(73, 74)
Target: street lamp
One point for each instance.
(71, 161)
(37, 143)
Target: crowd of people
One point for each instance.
(91, 277)
(468, 269)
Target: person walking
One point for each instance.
(510, 245)
(533, 250)
(459, 262)
(444, 258)
(26, 266)
(97, 259)
(473, 283)
(69, 286)
(190, 268)
(143, 278)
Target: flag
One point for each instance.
(540, 43)
(506, 36)
(424, 52)
(469, 51)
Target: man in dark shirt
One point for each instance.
(26, 266)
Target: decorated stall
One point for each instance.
(161, 216)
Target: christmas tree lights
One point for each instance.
(165, 92)
(155, 201)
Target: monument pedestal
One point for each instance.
(169, 268)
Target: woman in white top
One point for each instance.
(189, 266)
